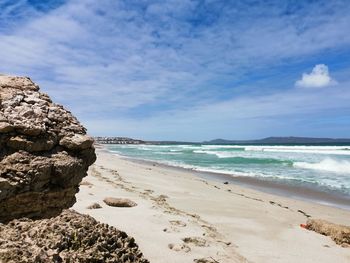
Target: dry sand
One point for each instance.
(182, 218)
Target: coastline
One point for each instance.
(182, 218)
(301, 192)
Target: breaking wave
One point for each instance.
(329, 165)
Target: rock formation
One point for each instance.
(69, 237)
(44, 152)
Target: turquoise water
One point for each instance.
(325, 168)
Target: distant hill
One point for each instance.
(281, 140)
(268, 140)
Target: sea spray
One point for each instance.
(328, 164)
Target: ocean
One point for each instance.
(324, 168)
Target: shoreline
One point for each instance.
(183, 218)
(302, 192)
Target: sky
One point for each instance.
(188, 70)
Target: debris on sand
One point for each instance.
(340, 234)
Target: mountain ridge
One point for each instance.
(280, 140)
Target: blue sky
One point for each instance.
(187, 70)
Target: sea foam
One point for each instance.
(328, 164)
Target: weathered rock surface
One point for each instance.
(44, 152)
(119, 202)
(340, 234)
(70, 237)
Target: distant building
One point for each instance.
(117, 140)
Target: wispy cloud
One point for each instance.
(137, 60)
(290, 112)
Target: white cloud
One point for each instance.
(117, 60)
(318, 78)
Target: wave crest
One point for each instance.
(329, 165)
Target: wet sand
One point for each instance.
(301, 192)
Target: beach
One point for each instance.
(181, 217)
(174, 131)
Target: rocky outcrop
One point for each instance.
(44, 152)
(69, 237)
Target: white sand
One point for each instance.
(237, 226)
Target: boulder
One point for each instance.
(44, 152)
(119, 202)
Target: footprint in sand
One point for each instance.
(177, 223)
(197, 241)
(274, 203)
(160, 199)
(209, 228)
(179, 247)
(86, 183)
(210, 231)
(304, 213)
(205, 260)
(171, 229)
(194, 216)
